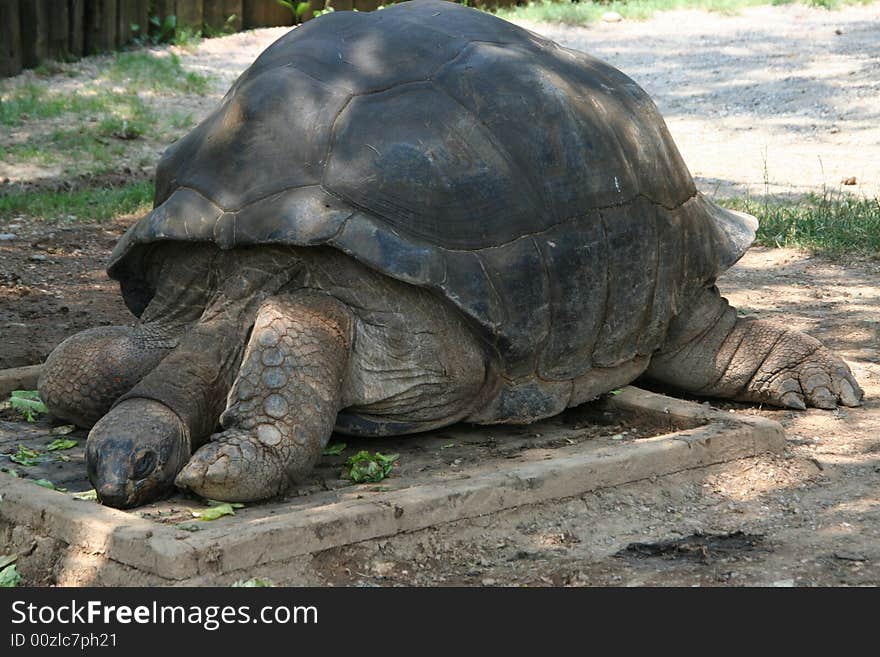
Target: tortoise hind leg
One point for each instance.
(89, 371)
(711, 352)
(283, 405)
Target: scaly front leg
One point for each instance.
(283, 405)
(711, 352)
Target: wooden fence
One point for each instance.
(33, 31)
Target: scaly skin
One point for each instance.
(283, 404)
(89, 371)
(711, 352)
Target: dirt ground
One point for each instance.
(778, 99)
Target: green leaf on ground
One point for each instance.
(447, 446)
(334, 449)
(254, 581)
(9, 577)
(615, 392)
(87, 495)
(25, 456)
(6, 559)
(27, 403)
(61, 443)
(45, 483)
(364, 467)
(12, 472)
(32, 395)
(214, 512)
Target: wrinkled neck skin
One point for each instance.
(203, 310)
(199, 283)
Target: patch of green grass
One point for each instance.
(838, 225)
(579, 13)
(33, 101)
(182, 120)
(96, 143)
(95, 118)
(103, 113)
(88, 145)
(86, 204)
(143, 70)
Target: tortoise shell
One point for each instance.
(535, 187)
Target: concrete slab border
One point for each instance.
(175, 556)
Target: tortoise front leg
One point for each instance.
(283, 405)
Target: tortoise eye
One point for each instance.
(144, 465)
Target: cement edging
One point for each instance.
(176, 556)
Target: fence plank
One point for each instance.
(75, 27)
(189, 13)
(33, 16)
(100, 26)
(161, 9)
(141, 19)
(10, 39)
(265, 13)
(124, 18)
(57, 17)
(133, 20)
(217, 12)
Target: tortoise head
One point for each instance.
(132, 458)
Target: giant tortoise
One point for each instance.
(399, 220)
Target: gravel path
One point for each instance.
(789, 90)
(791, 93)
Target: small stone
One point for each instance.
(834, 130)
(7, 237)
(37, 257)
(488, 581)
(383, 568)
(611, 17)
(850, 180)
